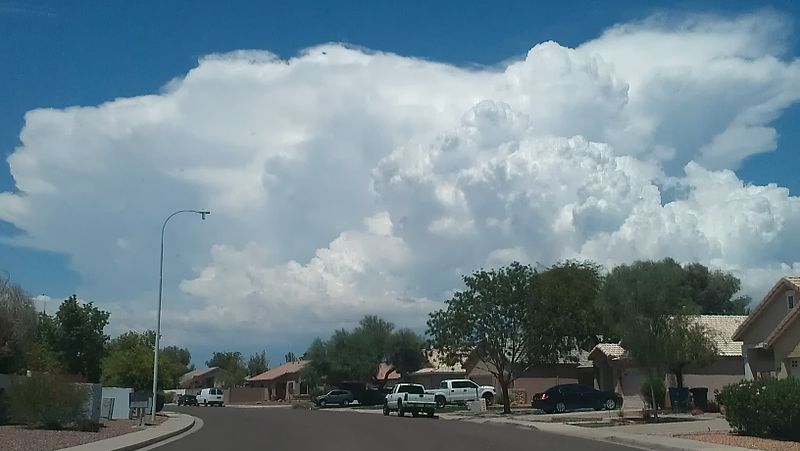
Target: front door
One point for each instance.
(794, 368)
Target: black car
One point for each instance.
(561, 398)
(340, 397)
(187, 400)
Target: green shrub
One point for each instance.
(4, 417)
(169, 397)
(85, 424)
(45, 400)
(763, 407)
(657, 389)
(160, 399)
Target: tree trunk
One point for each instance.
(679, 377)
(653, 402)
(504, 383)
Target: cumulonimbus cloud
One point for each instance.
(345, 182)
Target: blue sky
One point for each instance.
(70, 53)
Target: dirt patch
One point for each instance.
(21, 438)
(628, 422)
(743, 441)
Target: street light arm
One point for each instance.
(203, 214)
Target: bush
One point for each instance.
(169, 397)
(45, 400)
(763, 407)
(160, 399)
(658, 390)
(84, 424)
(4, 418)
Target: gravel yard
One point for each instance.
(726, 438)
(20, 438)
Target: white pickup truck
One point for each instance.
(461, 391)
(409, 398)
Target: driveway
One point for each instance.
(298, 430)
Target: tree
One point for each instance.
(648, 305)
(687, 342)
(233, 364)
(128, 362)
(404, 353)
(289, 357)
(491, 320)
(79, 339)
(178, 355)
(17, 326)
(351, 356)
(713, 291)
(258, 363)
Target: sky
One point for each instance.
(359, 157)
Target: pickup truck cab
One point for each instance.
(409, 398)
(461, 391)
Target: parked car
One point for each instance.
(409, 398)
(210, 397)
(187, 400)
(460, 391)
(561, 398)
(341, 397)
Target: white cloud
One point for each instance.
(344, 182)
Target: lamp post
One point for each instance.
(203, 214)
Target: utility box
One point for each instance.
(478, 406)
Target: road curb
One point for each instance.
(108, 445)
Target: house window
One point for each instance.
(790, 299)
(794, 363)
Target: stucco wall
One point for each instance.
(121, 398)
(244, 395)
(769, 318)
(785, 345)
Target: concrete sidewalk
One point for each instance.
(176, 424)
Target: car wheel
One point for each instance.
(344, 403)
(322, 403)
(561, 407)
(489, 399)
(386, 409)
(414, 413)
(400, 411)
(611, 404)
(430, 413)
(441, 402)
(205, 403)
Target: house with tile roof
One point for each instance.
(615, 372)
(770, 336)
(203, 378)
(283, 382)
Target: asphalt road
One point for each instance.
(229, 428)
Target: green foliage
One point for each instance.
(289, 357)
(258, 363)
(41, 358)
(763, 407)
(45, 400)
(4, 407)
(404, 352)
(351, 356)
(233, 364)
(713, 291)
(129, 362)
(85, 424)
(17, 326)
(78, 338)
(161, 399)
(179, 355)
(647, 305)
(505, 319)
(651, 388)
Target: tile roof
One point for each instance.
(436, 364)
(383, 368)
(196, 373)
(722, 328)
(274, 373)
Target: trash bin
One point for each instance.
(679, 398)
(700, 397)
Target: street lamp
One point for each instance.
(203, 214)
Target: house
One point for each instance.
(613, 371)
(283, 382)
(384, 374)
(203, 378)
(436, 371)
(537, 378)
(770, 336)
